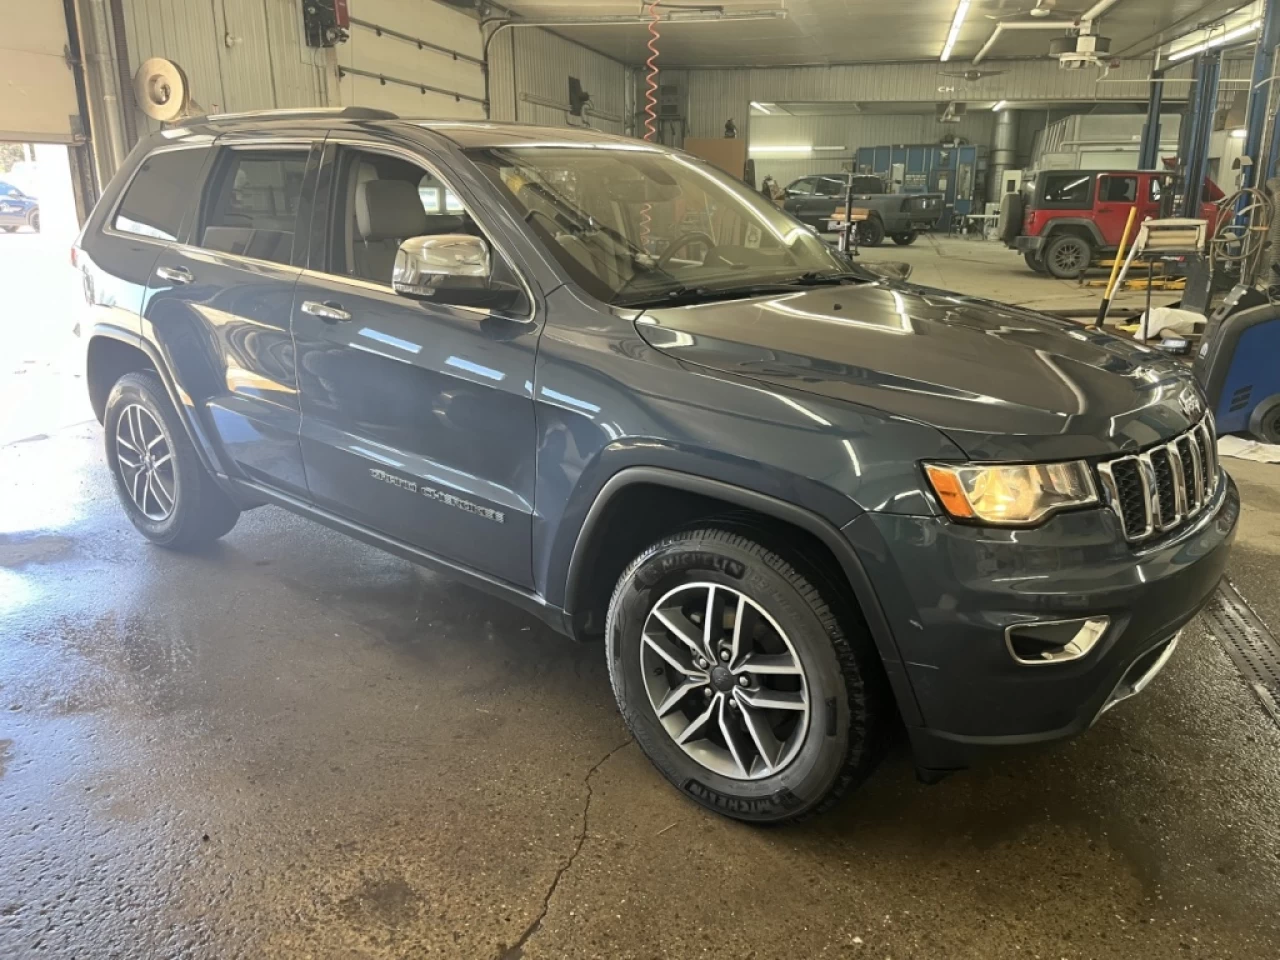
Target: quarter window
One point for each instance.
(158, 195)
(252, 208)
(1068, 190)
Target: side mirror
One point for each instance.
(430, 266)
(453, 268)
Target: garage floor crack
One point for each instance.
(516, 950)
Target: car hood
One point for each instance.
(1001, 382)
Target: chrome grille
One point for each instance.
(1159, 489)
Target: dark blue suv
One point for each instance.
(798, 502)
(17, 209)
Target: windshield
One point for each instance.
(633, 224)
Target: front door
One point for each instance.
(417, 416)
(219, 306)
(1117, 195)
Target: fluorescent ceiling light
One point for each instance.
(957, 22)
(1000, 106)
(793, 149)
(761, 107)
(1239, 133)
(1218, 41)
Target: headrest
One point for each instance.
(389, 210)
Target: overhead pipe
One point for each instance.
(1017, 25)
(1093, 13)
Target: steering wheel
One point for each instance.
(682, 241)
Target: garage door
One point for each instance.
(416, 59)
(37, 89)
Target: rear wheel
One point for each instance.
(1034, 261)
(739, 681)
(163, 486)
(1067, 256)
(871, 232)
(906, 239)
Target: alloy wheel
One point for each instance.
(1070, 257)
(146, 462)
(725, 681)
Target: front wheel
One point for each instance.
(163, 486)
(1034, 261)
(33, 221)
(738, 679)
(906, 239)
(1067, 256)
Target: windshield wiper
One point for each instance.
(816, 278)
(682, 295)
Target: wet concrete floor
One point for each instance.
(292, 745)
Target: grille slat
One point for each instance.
(1160, 488)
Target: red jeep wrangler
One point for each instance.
(1067, 219)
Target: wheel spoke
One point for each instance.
(767, 744)
(744, 622)
(701, 721)
(682, 628)
(773, 699)
(146, 494)
(159, 438)
(135, 428)
(129, 462)
(133, 489)
(774, 664)
(713, 622)
(164, 499)
(125, 443)
(737, 750)
(162, 460)
(663, 648)
(678, 693)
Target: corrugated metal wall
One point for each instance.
(396, 58)
(851, 132)
(237, 54)
(529, 80)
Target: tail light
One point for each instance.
(74, 253)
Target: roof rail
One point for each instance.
(306, 113)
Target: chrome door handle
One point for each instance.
(178, 275)
(329, 312)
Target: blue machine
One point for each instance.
(959, 173)
(1238, 365)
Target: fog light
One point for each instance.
(1058, 641)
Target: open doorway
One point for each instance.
(41, 381)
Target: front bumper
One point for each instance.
(949, 592)
(1032, 245)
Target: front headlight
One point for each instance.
(1016, 495)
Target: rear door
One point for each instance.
(221, 299)
(417, 416)
(1117, 196)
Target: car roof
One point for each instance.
(464, 133)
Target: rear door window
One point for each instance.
(160, 194)
(830, 187)
(1067, 191)
(252, 206)
(803, 188)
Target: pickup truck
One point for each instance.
(902, 216)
